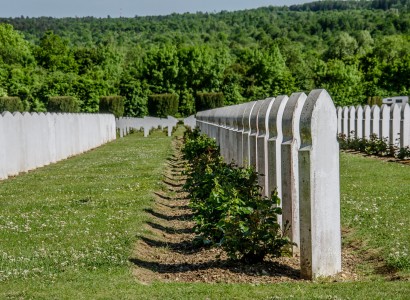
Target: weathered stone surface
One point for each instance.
(275, 137)
(253, 134)
(290, 166)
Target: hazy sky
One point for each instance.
(126, 8)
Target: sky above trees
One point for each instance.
(127, 8)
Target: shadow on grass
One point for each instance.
(183, 247)
(273, 269)
(166, 197)
(182, 207)
(170, 230)
(182, 217)
(173, 184)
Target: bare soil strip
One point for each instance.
(167, 253)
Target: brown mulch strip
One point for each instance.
(167, 254)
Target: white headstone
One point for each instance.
(246, 132)
(290, 167)
(375, 121)
(319, 188)
(262, 142)
(253, 134)
(352, 122)
(275, 137)
(359, 123)
(339, 112)
(3, 153)
(385, 122)
(395, 118)
(345, 122)
(238, 128)
(405, 127)
(366, 122)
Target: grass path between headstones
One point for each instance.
(67, 231)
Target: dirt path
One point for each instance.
(167, 254)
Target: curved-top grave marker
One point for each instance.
(293, 142)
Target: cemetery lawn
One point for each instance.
(375, 204)
(67, 230)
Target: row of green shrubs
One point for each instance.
(108, 104)
(162, 105)
(373, 146)
(229, 210)
(159, 105)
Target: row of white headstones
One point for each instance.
(292, 141)
(126, 124)
(386, 122)
(33, 140)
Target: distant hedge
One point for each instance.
(163, 105)
(66, 104)
(112, 104)
(11, 104)
(204, 101)
(376, 100)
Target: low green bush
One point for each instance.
(11, 104)
(67, 104)
(228, 207)
(113, 105)
(373, 146)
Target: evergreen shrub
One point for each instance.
(163, 105)
(67, 104)
(11, 104)
(113, 105)
(204, 101)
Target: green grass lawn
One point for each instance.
(68, 229)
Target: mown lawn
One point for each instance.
(68, 229)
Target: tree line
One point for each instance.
(354, 49)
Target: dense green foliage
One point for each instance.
(354, 49)
(163, 105)
(112, 104)
(11, 104)
(62, 104)
(228, 206)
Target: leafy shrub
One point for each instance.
(112, 104)
(228, 207)
(373, 146)
(162, 105)
(204, 101)
(403, 153)
(376, 146)
(63, 104)
(11, 104)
